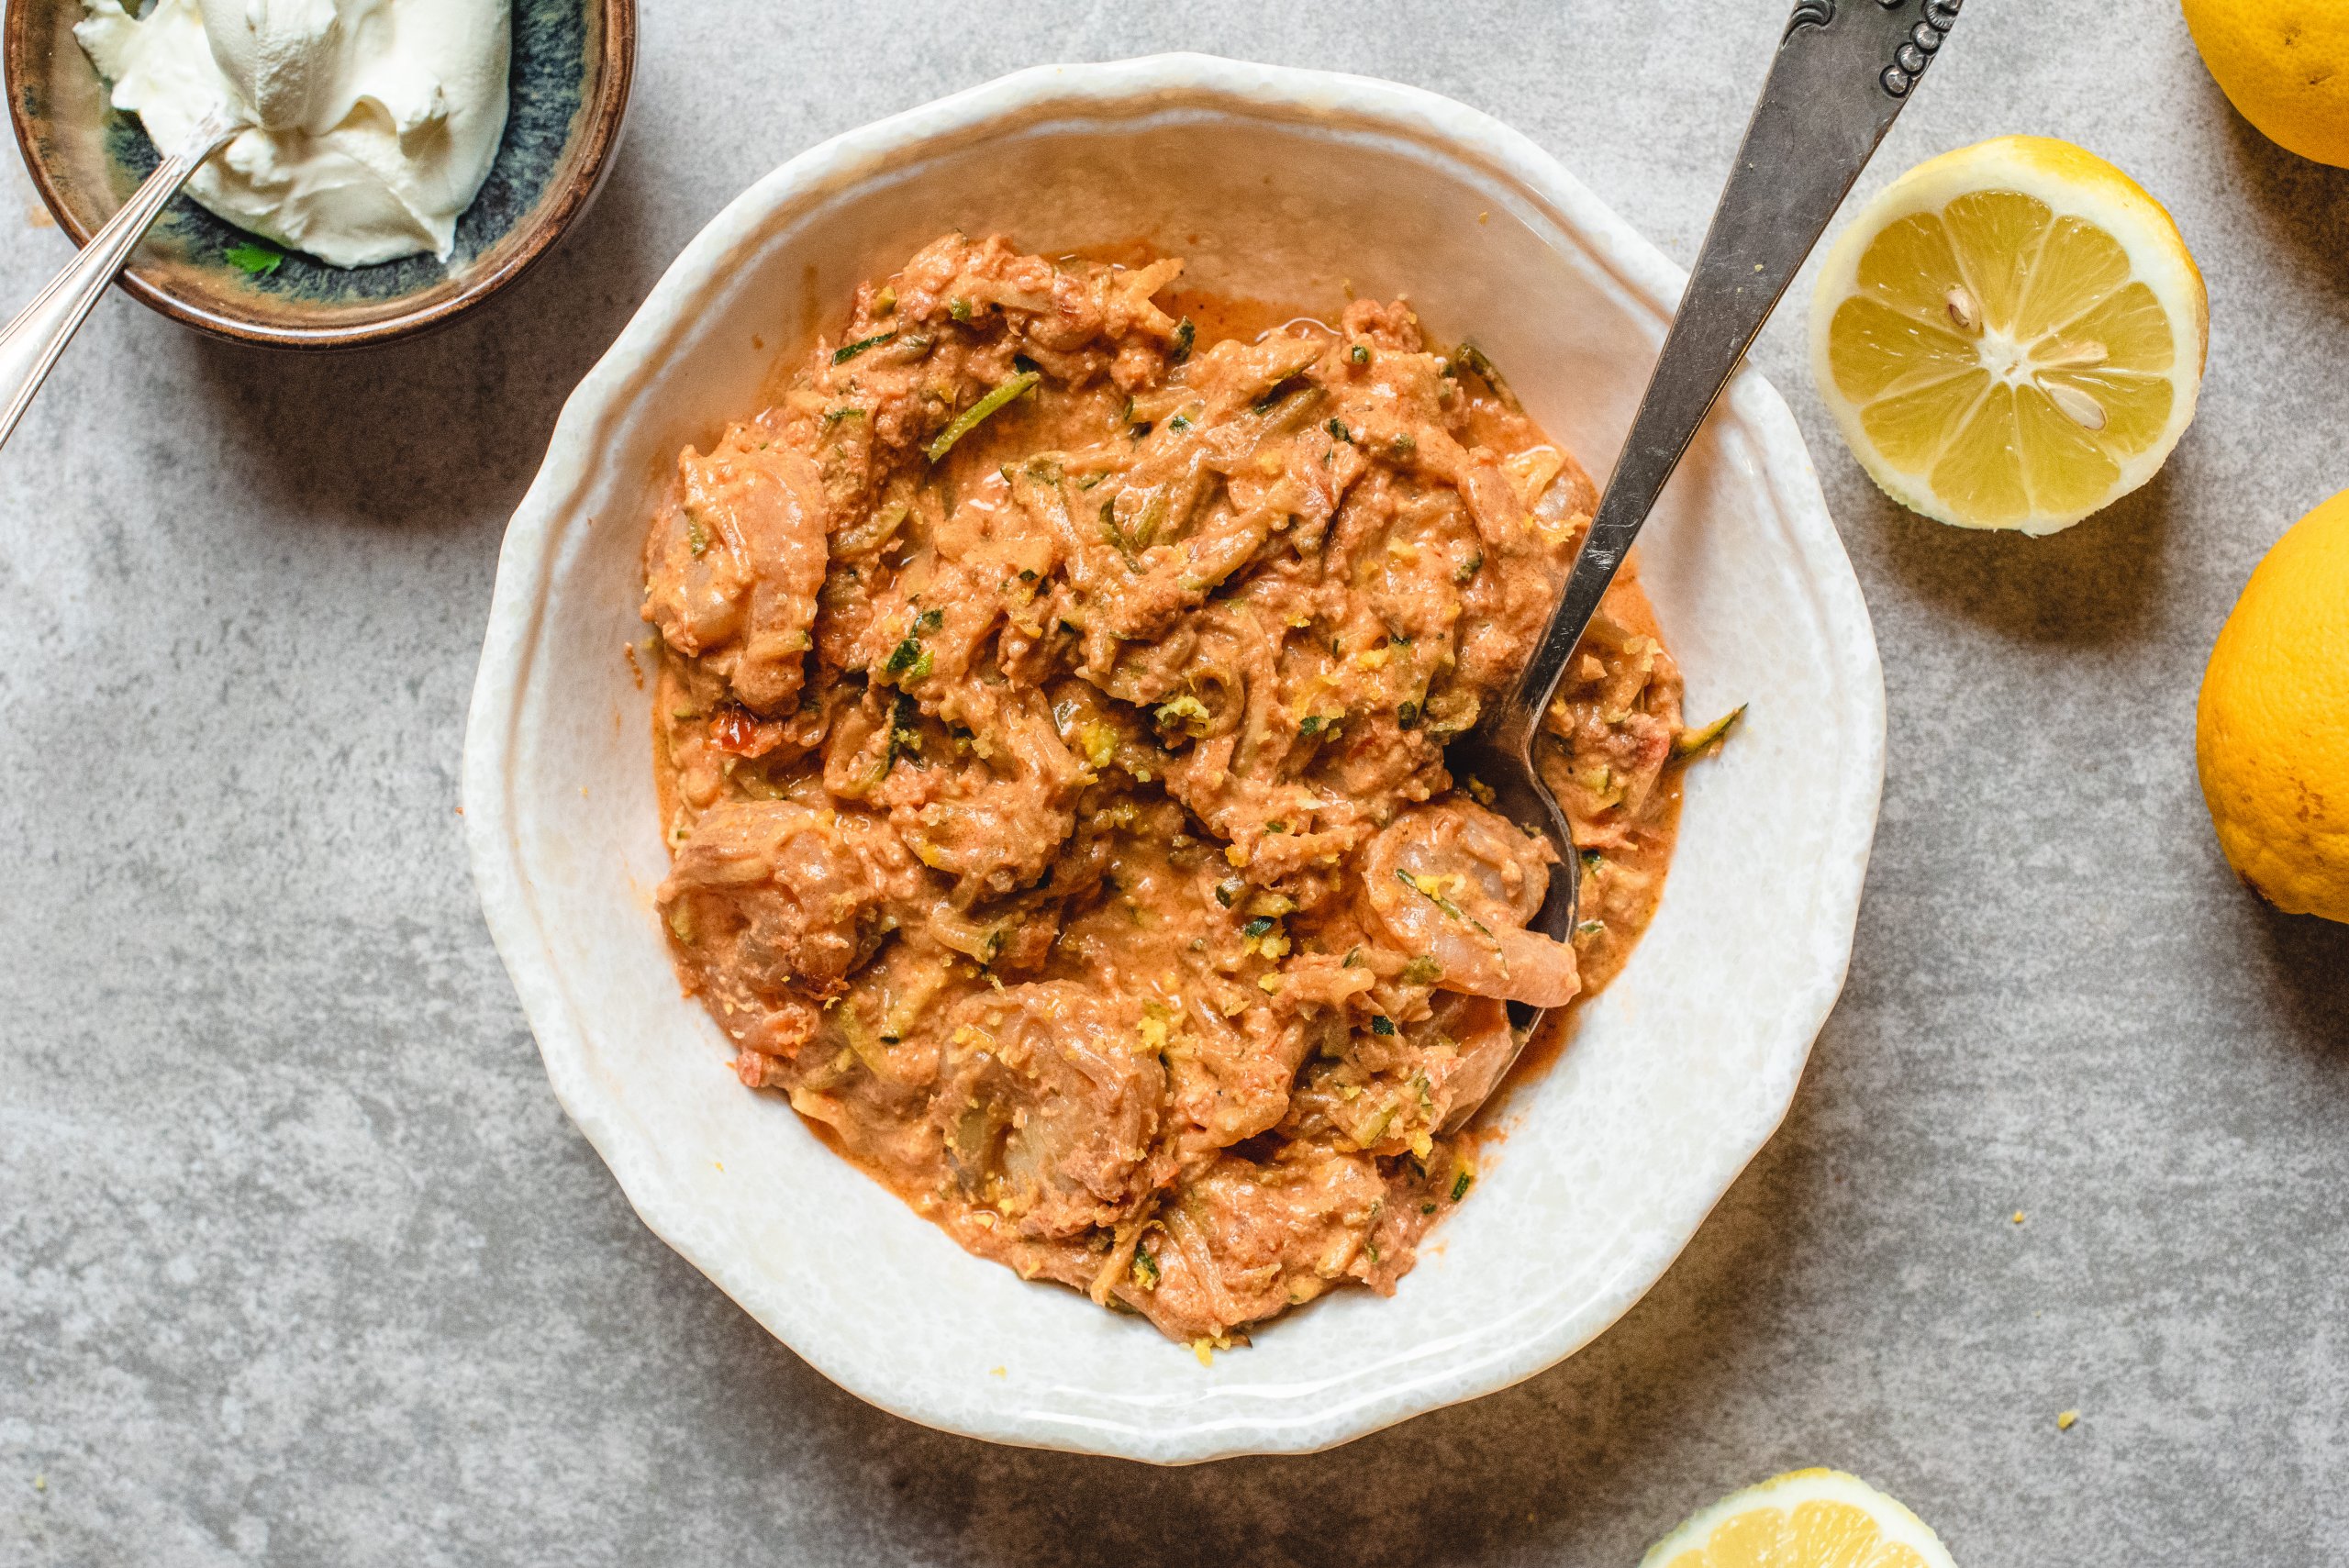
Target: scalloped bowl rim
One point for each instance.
(1519, 1341)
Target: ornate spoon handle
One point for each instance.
(29, 345)
(1842, 72)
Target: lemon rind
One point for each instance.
(2296, 120)
(2271, 658)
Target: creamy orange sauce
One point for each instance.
(1050, 729)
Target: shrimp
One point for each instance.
(786, 897)
(1457, 882)
(734, 560)
(1047, 1109)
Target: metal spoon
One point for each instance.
(29, 345)
(1842, 71)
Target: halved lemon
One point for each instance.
(1805, 1519)
(2010, 335)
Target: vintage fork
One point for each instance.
(1842, 72)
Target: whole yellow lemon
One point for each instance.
(2285, 65)
(2271, 735)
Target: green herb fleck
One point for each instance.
(1381, 1024)
(929, 620)
(902, 737)
(1260, 926)
(1228, 890)
(977, 413)
(1310, 725)
(959, 308)
(253, 259)
(1360, 354)
(1277, 826)
(1407, 717)
(1689, 742)
(1468, 569)
(1590, 928)
(847, 351)
(1338, 428)
(1460, 1183)
(1474, 358)
(1185, 334)
(1423, 971)
(1438, 900)
(1146, 1270)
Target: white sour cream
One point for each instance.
(374, 121)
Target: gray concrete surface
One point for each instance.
(299, 1262)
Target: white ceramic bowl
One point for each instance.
(1290, 185)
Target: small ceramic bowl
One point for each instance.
(573, 61)
(1293, 187)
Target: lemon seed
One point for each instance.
(2077, 405)
(1961, 308)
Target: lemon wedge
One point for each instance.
(1805, 1519)
(2010, 335)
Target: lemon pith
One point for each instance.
(2271, 732)
(2284, 68)
(2010, 335)
(1805, 1519)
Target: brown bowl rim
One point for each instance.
(601, 137)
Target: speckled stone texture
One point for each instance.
(299, 1262)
